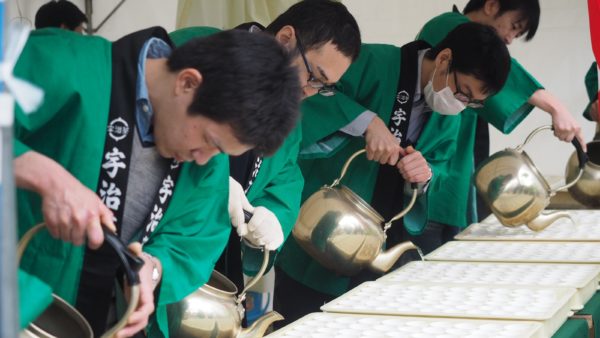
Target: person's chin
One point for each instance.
(164, 153)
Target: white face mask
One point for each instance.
(442, 101)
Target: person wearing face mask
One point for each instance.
(397, 88)
(456, 205)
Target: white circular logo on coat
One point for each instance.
(402, 97)
(118, 129)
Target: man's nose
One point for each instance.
(508, 39)
(308, 91)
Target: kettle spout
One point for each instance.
(258, 328)
(386, 259)
(544, 220)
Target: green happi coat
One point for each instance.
(369, 84)
(279, 182)
(34, 297)
(591, 86)
(70, 127)
(454, 204)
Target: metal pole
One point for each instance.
(95, 30)
(89, 11)
(9, 292)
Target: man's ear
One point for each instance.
(286, 37)
(188, 80)
(491, 8)
(443, 59)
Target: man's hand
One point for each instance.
(72, 212)
(382, 146)
(264, 229)
(413, 167)
(237, 204)
(565, 126)
(145, 307)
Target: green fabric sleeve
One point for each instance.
(34, 297)
(282, 193)
(591, 86)
(509, 107)
(339, 109)
(437, 143)
(51, 61)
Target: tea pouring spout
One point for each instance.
(258, 328)
(542, 221)
(386, 259)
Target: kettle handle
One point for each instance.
(387, 224)
(401, 214)
(131, 264)
(582, 157)
(266, 255)
(520, 147)
(345, 167)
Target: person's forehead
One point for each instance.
(224, 137)
(514, 16)
(329, 62)
(474, 85)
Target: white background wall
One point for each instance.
(558, 56)
(131, 16)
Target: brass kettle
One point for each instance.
(514, 189)
(61, 320)
(214, 311)
(587, 189)
(344, 233)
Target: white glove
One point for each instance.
(237, 203)
(264, 229)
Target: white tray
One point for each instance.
(338, 325)
(548, 305)
(527, 252)
(583, 277)
(585, 228)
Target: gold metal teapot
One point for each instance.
(214, 310)
(514, 189)
(587, 189)
(344, 233)
(61, 320)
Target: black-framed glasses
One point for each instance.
(313, 82)
(464, 98)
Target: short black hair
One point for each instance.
(528, 9)
(478, 51)
(248, 82)
(319, 21)
(57, 13)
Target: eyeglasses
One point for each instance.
(464, 98)
(313, 82)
